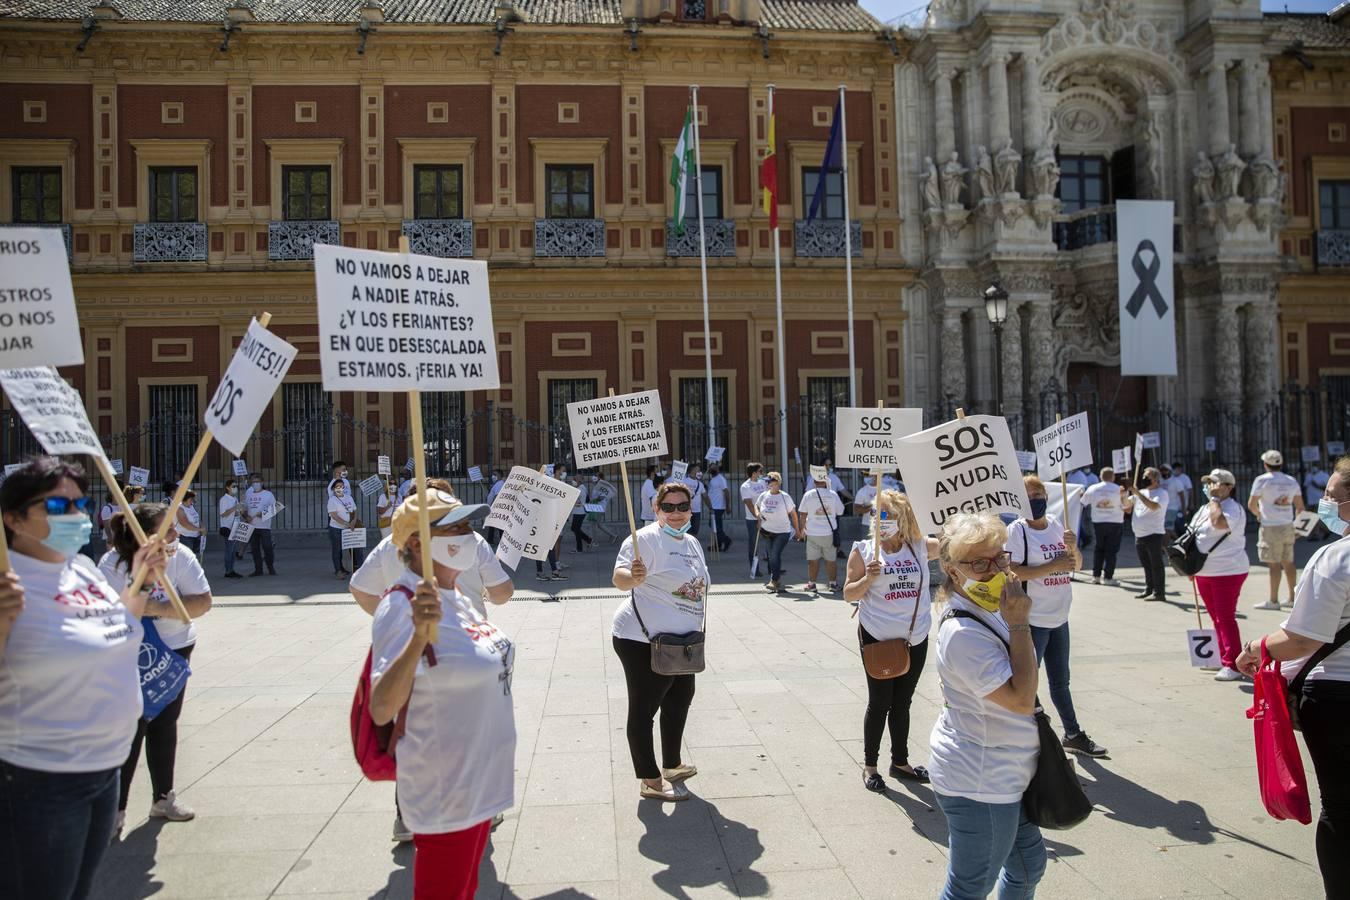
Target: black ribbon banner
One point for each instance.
(1148, 287)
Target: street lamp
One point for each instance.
(996, 308)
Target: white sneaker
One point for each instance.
(169, 808)
(1267, 604)
(118, 823)
(1111, 581)
(1096, 579)
(401, 832)
(1227, 674)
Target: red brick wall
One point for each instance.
(728, 118)
(538, 356)
(792, 109)
(70, 115)
(405, 115)
(537, 116)
(1328, 348)
(338, 108)
(1308, 138)
(139, 117)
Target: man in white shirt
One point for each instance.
(1275, 499)
(820, 510)
(647, 506)
(693, 479)
(1183, 486)
(260, 507)
(338, 472)
(719, 495)
(751, 488)
(228, 514)
(1105, 499)
(1148, 507)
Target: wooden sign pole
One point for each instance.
(628, 499)
(105, 470)
(420, 480)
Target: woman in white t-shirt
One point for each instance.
(893, 604)
(456, 760)
(69, 690)
(985, 743)
(188, 524)
(1320, 616)
(384, 508)
(1044, 556)
(777, 525)
(160, 734)
(227, 511)
(342, 515)
(1221, 531)
(667, 580)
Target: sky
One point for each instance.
(885, 10)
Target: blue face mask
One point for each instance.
(1209, 494)
(1038, 505)
(1329, 511)
(68, 533)
(676, 532)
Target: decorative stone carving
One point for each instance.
(984, 173)
(1153, 148)
(953, 181)
(1226, 345)
(450, 238)
(953, 355)
(1044, 173)
(1203, 173)
(1008, 163)
(930, 185)
(1111, 23)
(1262, 358)
(1230, 168)
(1265, 179)
(1095, 322)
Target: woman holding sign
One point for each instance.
(1220, 527)
(667, 579)
(342, 515)
(891, 591)
(69, 691)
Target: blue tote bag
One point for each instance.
(163, 672)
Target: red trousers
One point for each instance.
(1220, 594)
(445, 866)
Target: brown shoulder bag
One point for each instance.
(890, 659)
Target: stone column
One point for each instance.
(1217, 75)
(944, 114)
(953, 355)
(1227, 351)
(1267, 122)
(1250, 105)
(1033, 117)
(1041, 346)
(1000, 126)
(1261, 361)
(1012, 362)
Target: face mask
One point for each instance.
(676, 532)
(68, 533)
(230, 490)
(1209, 493)
(1329, 511)
(986, 594)
(595, 479)
(454, 552)
(256, 487)
(1038, 505)
(888, 529)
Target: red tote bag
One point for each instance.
(1279, 766)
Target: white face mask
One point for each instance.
(455, 552)
(888, 529)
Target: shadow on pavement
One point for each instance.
(126, 868)
(400, 883)
(667, 841)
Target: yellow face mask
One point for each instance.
(986, 594)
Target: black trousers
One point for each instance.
(160, 736)
(649, 693)
(1154, 560)
(582, 537)
(888, 701)
(260, 544)
(1325, 716)
(723, 539)
(1106, 545)
(694, 523)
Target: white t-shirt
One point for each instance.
(345, 483)
(890, 603)
(194, 528)
(648, 497)
(821, 506)
(1275, 493)
(1322, 608)
(773, 511)
(1104, 498)
(749, 491)
(1181, 483)
(495, 490)
(978, 749)
(717, 491)
(865, 496)
(110, 509)
(1145, 521)
(696, 492)
(227, 510)
(456, 761)
(1052, 595)
(1173, 493)
(184, 573)
(579, 507)
(259, 502)
(70, 693)
(384, 505)
(382, 568)
(673, 594)
(1314, 484)
(1230, 557)
(344, 507)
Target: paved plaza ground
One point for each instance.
(779, 809)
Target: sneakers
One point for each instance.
(169, 808)
(1228, 674)
(770, 586)
(558, 576)
(402, 833)
(810, 586)
(1143, 595)
(1267, 604)
(833, 587)
(118, 823)
(1111, 581)
(1096, 579)
(233, 575)
(540, 576)
(1081, 743)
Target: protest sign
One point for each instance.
(1203, 645)
(116, 466)
(241, 532)
(11, 468)
(594, 507)
(239, 467)
(1054, 505)
(548, 470)
(966, 465)
(1211, 443)
(353, 538)
(401, 321)
(1305, 522)
(1063, 447)
(52, 410)
(618, 427)
(678, 469)
(1335, 449)
(1312, 453)
(37, 303)
(868, 439)
(138, 477)
(382, 466)
(1120, 460)
(371, 486)
(530, 510)
(246, 388)
(714, 454)
(1138, 448)
(797, 455)
(475, 474)
(1152, 440)
(1026, 460)
(818, 473)
(410, 465)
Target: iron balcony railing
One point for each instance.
(824, 238)
(156, 242)
(569, 237)
(451, 238)
(719, 238)
(1333, 247)
(295, 240)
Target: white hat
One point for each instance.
(1272, 458)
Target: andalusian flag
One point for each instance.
(680, 165)
(768, 173)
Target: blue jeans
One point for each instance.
(54, 829)
(778, 542)
(1052, 645)
(988, 844)
(229, 550)
(751, 529)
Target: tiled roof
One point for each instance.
(1316, 32)
(788, 15)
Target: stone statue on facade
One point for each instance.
(1044, 173)
(1008, 162)
(1153, 141)
(1265, 178)
(930, 185)
(953, 180)
(984, 173)
(1203, 172)
(1230, 169)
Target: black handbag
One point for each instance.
(1055, 798)
(1294, 695)
(674, 654)
(1186, 557)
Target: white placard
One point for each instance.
(869, 439)
(353, 538)
(10, 469)
(966, 465)
(797, 455)
(241, 532)
(1063, 447)
(1148, 341)
(548, 470)
(714, 454)
(530, 510)
(1203, 645)
(399, 322)
(370, 486)
(382, 466)
(1335, 449)
(38, 326)
(1152, 440)
(475, 474)
(1138, 449)
(609, 429)
(116, 466)
(1305, 522)
(819, 473)
(138, 477)
(1026, 460)
(1211, 443)
(246, 388)
(239, 467)
(1054, 503)
(409, 466)
(1312, 453)
(270, 512)
(678, 469)
(1120, 459)
(52, 410)
(594, 507)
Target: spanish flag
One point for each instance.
(768, 173)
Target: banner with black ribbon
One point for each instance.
(1144, 246)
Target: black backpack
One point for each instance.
(1185, 555)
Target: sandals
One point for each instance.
(919, 775)
(674, 795)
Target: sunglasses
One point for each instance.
(983, 565)
(675, 507)
(59, 506)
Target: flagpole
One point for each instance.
(782, 334)
(848, 246)
(703, 270)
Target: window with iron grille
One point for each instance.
(694, 10)
(571, 192)
(440, 192)
(174, 429)
(562, 391)
(712, 194)
(823, 396)
(306, 423)
(1333, 203)
(16, 441)
(832, 204)
(694, 413)
(173, 194)
(1338, 405)
(443, 432)
(37, 195)
(306, 191)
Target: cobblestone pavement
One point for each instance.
(779, 808)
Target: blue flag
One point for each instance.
(833, 162)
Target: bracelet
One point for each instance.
(1026, 628)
